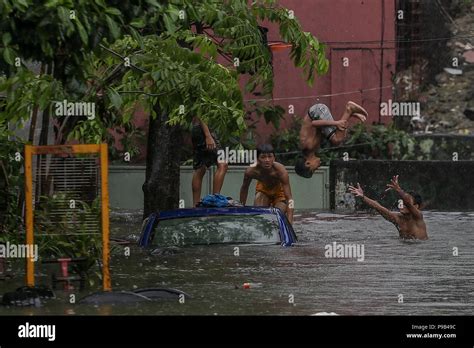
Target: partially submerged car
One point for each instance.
(205, 226)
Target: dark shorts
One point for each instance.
(321, 112)
(201, 155)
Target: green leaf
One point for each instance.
(6, 38)
(82, 32)
(136, 36)
(24, 3)
(240, 123)
(114, 98)
(155, 75)
(153, 3)
(63, 14)
(113, 11)
(113, 27)
(51, 3)
(138, 23)
(173, 12)
(101, 3)
(170, 26)
(127, 117)
(8, 55)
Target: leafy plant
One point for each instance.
(68, 234)
(378, 142)
(286, 142)
(11, 186)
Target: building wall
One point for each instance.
(351, 29)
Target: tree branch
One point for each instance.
(123, 58)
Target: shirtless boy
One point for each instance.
(318, 123)
(409, 221)
(273, 183)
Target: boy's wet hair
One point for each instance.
(265, 148)
(301, 169)
(416, 198)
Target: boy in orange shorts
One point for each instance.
(273, 183)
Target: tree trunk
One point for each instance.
(161, 187)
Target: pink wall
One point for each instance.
(336, 22)
(341, 25)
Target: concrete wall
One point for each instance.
(443, 185)
(125, 187)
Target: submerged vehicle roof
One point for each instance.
(286, 232)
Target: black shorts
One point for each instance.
(201, 155)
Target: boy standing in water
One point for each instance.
(273, 183)
(319, 123)
(409, 221)
(205, 147)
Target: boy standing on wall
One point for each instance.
(205, 147)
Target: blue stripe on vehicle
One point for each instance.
(283, 229)
(143, 242)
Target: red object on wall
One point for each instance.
(279, 46)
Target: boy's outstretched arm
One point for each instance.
(394, 185)
(387, 214)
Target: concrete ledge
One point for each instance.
(125, 186)
(443, 185)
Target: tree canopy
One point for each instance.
(117, 53)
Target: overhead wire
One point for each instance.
(321, 95)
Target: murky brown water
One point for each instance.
(300, 280)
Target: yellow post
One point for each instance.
(30, 267)
(104, 189)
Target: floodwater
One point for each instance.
(395, 277)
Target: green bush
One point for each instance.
(378, 142)
(286, 142)
(11, 186)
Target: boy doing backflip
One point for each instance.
(319, 123)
